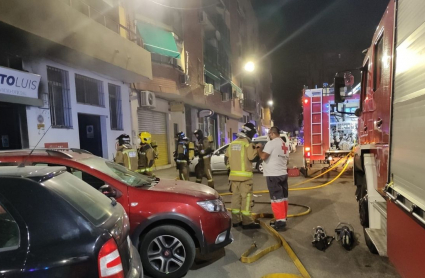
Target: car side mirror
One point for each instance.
(108, 191)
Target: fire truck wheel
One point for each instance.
(369, 243)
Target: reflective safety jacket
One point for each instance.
(127, 157)
(146, 157)
(240, 153)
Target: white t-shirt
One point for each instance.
(276, 163)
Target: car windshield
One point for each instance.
(117, 172)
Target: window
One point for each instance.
(95, 206)
(60, 106)
(115, 107)
(89, 90)
(377, 65)
(9, 231)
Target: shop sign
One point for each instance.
(205, 113)
(19, 83)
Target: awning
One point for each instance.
(158, 40)
(212, 72)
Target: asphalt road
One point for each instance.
(330, 205)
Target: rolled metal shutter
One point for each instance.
(156, 124)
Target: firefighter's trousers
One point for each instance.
(203, 169)
(183, 170)
(242, 201)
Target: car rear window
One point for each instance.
(91, 203)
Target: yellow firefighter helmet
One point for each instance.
(145, 137)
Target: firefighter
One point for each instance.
(238, 157)
(146, 154)
(181, 155)
(126, 155)
(204, 150)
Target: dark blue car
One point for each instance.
(53, 225)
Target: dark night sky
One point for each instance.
(296, 29)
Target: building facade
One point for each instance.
(116, 67)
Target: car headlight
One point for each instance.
(213, 205)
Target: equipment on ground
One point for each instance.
(344, 233)
(320, 239)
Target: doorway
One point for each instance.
(13, 126)
(90, 134)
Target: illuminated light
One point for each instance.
(308, 154)
(330, 158)
(270, 102)
(307, 149)
(249, 67)
(305, 101)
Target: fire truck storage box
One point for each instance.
(294, 172)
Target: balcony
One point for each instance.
(74, 32)
(250, 105)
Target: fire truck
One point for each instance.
(330, 130)
(388, 168)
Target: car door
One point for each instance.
(217, 159)
(13, 240)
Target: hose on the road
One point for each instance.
(245, 258)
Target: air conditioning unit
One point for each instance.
(147, 99)
(208, 89)
(225, 97)
(184, 79)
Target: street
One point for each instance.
(330, 205)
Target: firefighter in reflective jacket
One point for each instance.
(238, 157)
(126, 155)
(204, 150)
(146, 154)
(181, 155)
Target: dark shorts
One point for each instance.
(278, 187)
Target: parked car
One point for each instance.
(168, 219)
(53, 225)
(217, 161)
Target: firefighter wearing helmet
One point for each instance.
(204, 150)
(146, 154)
(181, 155)
(126, 155)
(238, 157)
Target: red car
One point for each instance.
(168, 219)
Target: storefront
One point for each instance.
(18, 89)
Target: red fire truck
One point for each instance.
(330, 131)
(388, 168)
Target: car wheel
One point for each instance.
(167, 251)
(261, 167)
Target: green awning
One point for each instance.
(158, 40)
(212, 72)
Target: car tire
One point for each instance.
(167, 246)
(260, 166)
(369, 243)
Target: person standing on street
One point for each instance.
(239, 155)
(126, 155)
(276, 157)
(203, 168)
(146, 154)
(181, 155)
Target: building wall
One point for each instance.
(71, 136)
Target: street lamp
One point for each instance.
(270, 102)
(249, 67)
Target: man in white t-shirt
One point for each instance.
(276, 157)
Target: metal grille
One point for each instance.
(89, 90)
(60, 106)
(115, 106)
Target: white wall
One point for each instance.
(39, 66)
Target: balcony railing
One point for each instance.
(249, 105)
(105, 20)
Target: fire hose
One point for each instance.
(246, 258)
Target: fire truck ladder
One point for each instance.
(316, 123)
